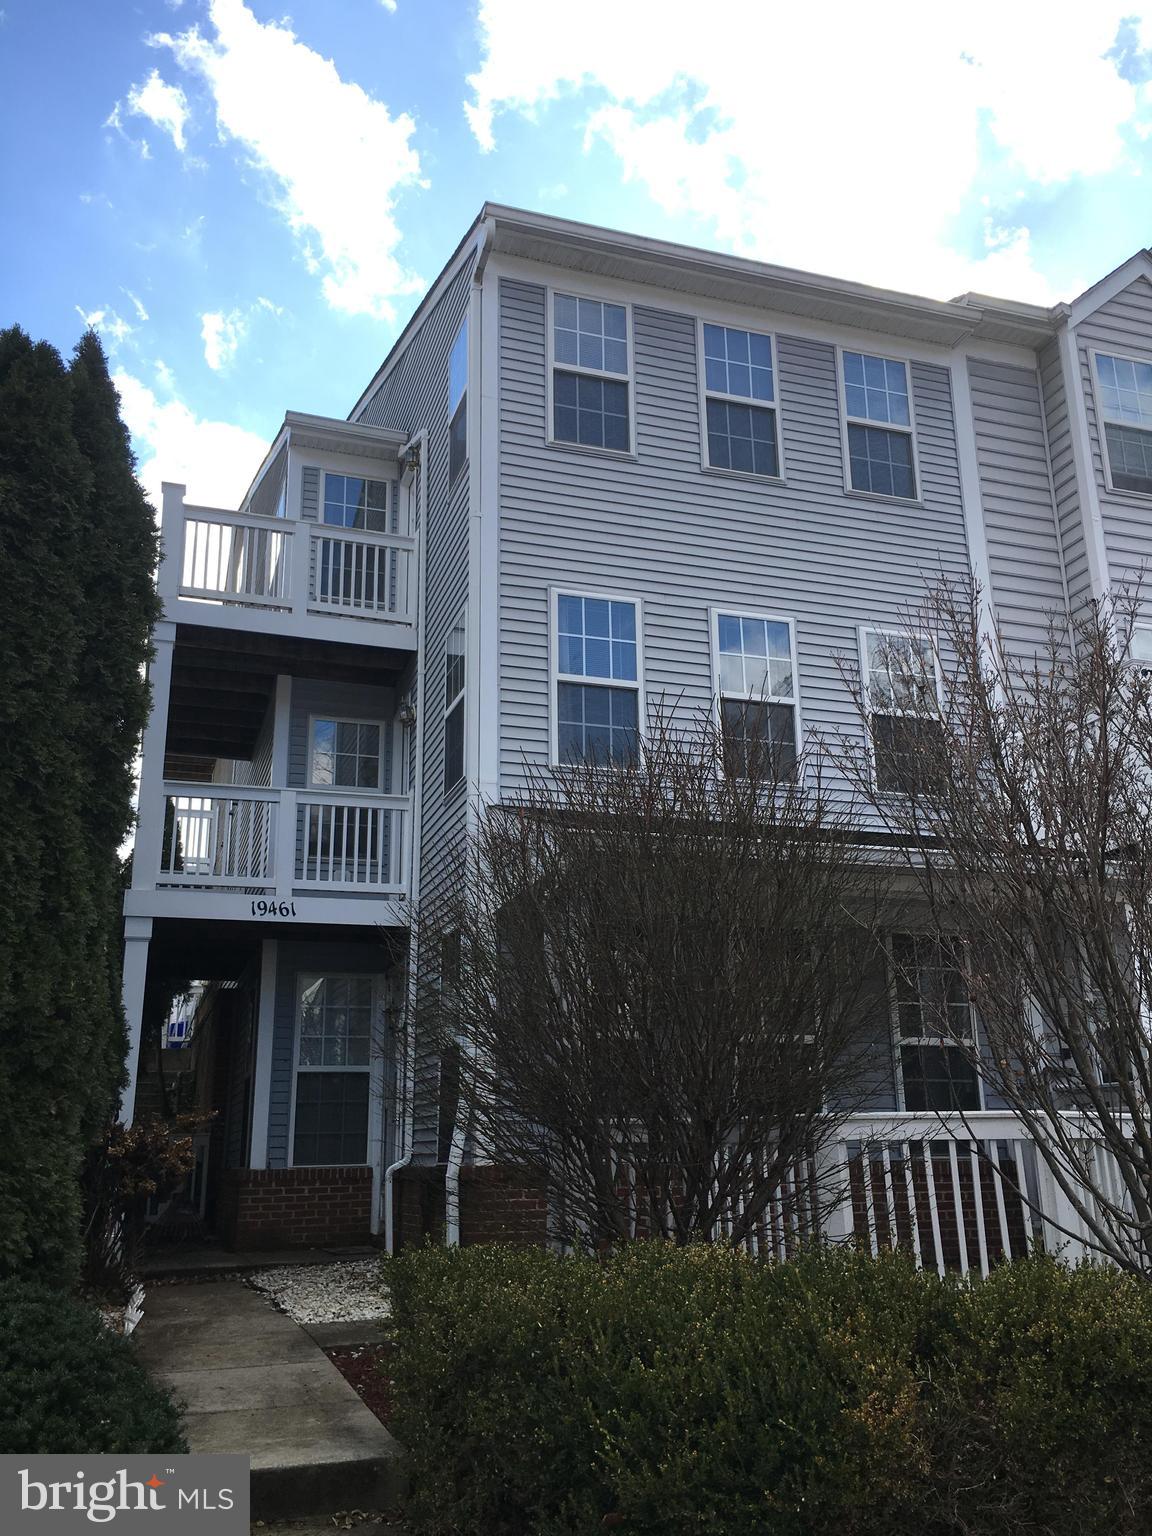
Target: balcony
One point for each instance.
(297, 855)
(239, 570)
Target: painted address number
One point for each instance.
(273, 909)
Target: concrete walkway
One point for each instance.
(254, 1382)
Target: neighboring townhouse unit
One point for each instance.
(594, 472)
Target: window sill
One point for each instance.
(628, 456)
(742, 474)
(1138, 498)
(897, 501)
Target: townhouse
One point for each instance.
(595, 472)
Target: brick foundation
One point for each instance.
(495, 1207)
(295, 1207)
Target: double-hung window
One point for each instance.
(345, 844)
(590, 373)
(335, 1026)
(1125, 395)
(454, 678)
(901, 686)
(934, 1025)
(757, 684)
(878, 416)
(740, 401)
(351, 501)
(458, 403)
(598, 678)
(347, 753)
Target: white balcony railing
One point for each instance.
(958, 1193)
(282, 842)
(289, 566)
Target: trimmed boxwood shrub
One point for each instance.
(69, 1384)
(695, 1390)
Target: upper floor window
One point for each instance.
(335, 1022)
(590, 373)
(757, 676)
(454, 706)
(739, 401)
(1126, 410)
(934, 1025)
(597, 679)
(902, 693)
(347, 753)
(458, 402)
(878, 414)
(350, 501)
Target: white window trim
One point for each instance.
(351, 789)
(373, 1069)
(556, 677)
(884, 426)
(1140, 663)
(704, 393)
(364, 469)
(866, 684)
(899, 1039)
(551, 365)
(734, 610)
(458, 699)
(453, 410)
(1102, 419)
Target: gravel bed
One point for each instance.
(350, 1291)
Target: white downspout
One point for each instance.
(407, 1079)
(477, 342)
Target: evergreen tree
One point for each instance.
(73, 637)
(117, 552)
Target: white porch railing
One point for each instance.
(282, 841)
(958, 1193)
(290, 565)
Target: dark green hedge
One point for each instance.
(68, 1384)
(693, 1390)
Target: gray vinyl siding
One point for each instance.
(1069, 513)
(1122, 325)
(1016, 495)
(684, 539)
(293, 960)
(413, 398)
(335, 701)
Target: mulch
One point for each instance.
(367, 1370)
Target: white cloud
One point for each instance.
(141, 312)
(336, 156)
(221, 335)
(113, 328)
(215, 460)
(841, 138)
(164, 105)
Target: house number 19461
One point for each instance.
(273, 909)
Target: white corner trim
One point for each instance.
(968, 462)
(1087, 491)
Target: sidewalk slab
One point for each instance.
(254, 1382)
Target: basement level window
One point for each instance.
(1125, 396)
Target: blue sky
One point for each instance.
(247, 201)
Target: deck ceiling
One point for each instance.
(223, 682)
